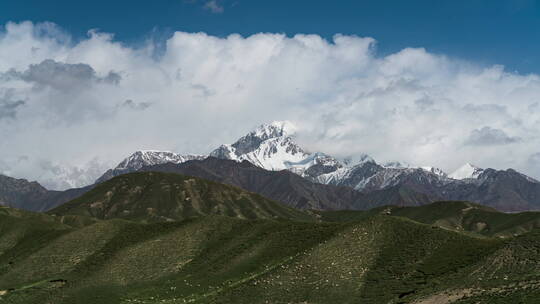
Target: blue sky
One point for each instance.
(486, 32)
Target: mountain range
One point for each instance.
(268, 161)
(272, 147)
(21, 193)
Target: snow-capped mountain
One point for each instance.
(145, 158)
(466, 171)
(272, 147)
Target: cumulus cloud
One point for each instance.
(489, 136)
(98, 97)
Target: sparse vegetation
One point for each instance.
(190, 251)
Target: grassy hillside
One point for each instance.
(453, 215)
(154, 196)
(218, 259)
(465, 216)
(166, 238)
(511, 274)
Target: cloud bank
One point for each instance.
(72, 108)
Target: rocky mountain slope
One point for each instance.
(23, 194)
(291, 189)
(15, 192)
(283, 186)
(506, 190)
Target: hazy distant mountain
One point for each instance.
(506, 190)
(23, 194)
(18, 192)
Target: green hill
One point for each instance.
(511, 274)
(252, 250)
(453, 215)
(155, 196)
(218, 259)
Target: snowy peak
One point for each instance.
(272, 147)
(269, 146)
(274, 129)
(435, 171)
(145, 158)
(225, 152)
(314, 165)
(254, 139)
(467, 171)
(268, 141)
(403, 165)
(275, 154)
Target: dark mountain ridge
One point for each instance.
(505, 190)
(31, 196)
(283, 186)
(291, 189)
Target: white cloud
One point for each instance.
(73, 102)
